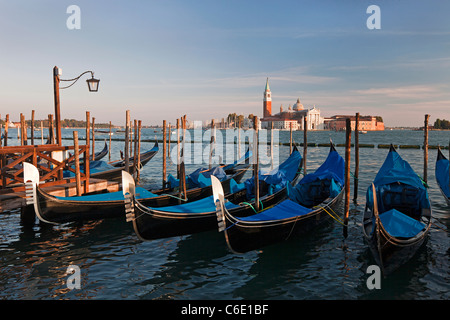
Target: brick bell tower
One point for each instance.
(267, 102)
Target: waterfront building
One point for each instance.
(366, 123)
(293, 116)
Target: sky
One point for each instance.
(208, 58)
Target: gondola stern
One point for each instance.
(218, 196)
(31, 179)
(128, 190)
(440, 155)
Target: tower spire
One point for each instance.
(267, 102)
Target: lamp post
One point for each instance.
(92, 85)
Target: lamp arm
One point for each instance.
(75, 79)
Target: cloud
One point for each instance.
(404, 92)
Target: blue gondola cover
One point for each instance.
(398, 224)
(326, 181)
(442, 175)
(390, 183)
(277, 178)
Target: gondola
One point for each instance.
(442, 175)
(98, 155)
(397, 217)
(151, 223)
(310, 202)
(112, 171)
(55, 210)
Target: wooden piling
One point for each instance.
(51, 133)
(138, 176)
(164, 181)
(271, 145)
(109, 149)
(93, 138)
(183, 182)
(77, 163)
(290, 137)
(356, 175)
(212, 142)
(32, 127)
(22, 129)
(182, 167)
(239, 137)
(87, 153)
(348, 137)
(127, 133)
(135, 164)
(256, 162)
(178, 148)
(6, 130)
(305, 143)
(169, 138)
(42, 132)
(425, 148)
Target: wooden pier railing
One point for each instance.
(47, 158)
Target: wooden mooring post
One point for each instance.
(109, 149)
(425, 148)
(356, 175)
(32, 127)
(164, 181)
(348, 137)
(93, 138)
(77, 163)
(6, 130)
(86, 154)
(138, 175)
(212, 142)
(127, 144)
(178, 148)
(256, 161)
(305, 143)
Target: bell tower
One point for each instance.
(267, 102)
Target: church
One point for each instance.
(293, 116)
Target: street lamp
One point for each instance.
(92, 85)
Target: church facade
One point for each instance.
(293, 116)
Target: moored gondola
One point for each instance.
(55, 210)
(442, 175)
(309, 203)
(152, 223)
(112, 171)
(397, 217)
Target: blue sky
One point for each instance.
(163, 59)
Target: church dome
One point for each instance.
(298, 106)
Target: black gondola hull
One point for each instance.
(54, 210)
(153, 224)
(243, 236)
(390, 253)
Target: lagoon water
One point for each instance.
(114, 264)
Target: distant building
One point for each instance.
(293, 116)
(366, 123)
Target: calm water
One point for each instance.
(320, 265)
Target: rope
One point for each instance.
(170, 195)
(437, 225)
(337, 218)
(250, 206)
